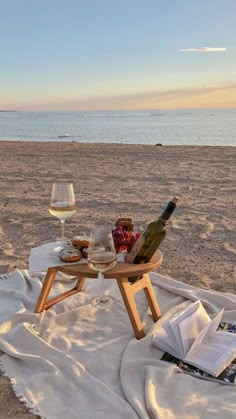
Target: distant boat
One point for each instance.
(64, 136)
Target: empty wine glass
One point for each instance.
(62, 204)
(101, 258)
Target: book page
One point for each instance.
(171, 336)
(207, 331)
(214, 355)
(192, 326)
(176, 320)
(161, 341)
(227, 376)
(174, 339)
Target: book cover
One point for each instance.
(228, 376)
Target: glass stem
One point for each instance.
(101, 277)
(63, 230)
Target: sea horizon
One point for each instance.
(208, 126)
(118, 109)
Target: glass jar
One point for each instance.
(126, 223)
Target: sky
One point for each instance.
(110, 54)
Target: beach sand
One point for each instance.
(122, 180)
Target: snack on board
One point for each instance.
(81, 241)
(70, 255)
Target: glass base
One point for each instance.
(103, 301)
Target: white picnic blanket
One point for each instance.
(76, 362)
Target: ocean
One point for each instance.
(213, 127)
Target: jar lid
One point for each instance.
(125, 222)
(125, 219)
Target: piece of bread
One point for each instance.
(70, 255)
(81, 241)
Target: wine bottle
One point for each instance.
(147, 244)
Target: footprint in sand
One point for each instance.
(8, 249)
(205, 282)
(228, 223)
(190, 226)
(1, 231)
(228, 247)
(208, 226)
(15, 221)
(180, 228)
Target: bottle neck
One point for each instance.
(168, 211)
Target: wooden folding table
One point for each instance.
(121, 272)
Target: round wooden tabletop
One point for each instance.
(121, 270)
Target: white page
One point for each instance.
(178, 318)
(192, 326)
(171, 336)
(214, 355)
(161, 341)
(168, 337)
(207, 331)
(165, 338)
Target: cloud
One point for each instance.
(203, 49)
(202, 96)
(157, 99)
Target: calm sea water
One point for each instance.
(168, 127)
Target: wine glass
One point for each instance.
(62, 204)
(101, 258)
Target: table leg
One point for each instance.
(42, 303)
(128, 297)
(128, 291)
(151, 298)
(47, 285)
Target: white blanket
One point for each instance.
(74, 361)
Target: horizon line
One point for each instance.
(111, 110)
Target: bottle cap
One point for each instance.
(175, 199)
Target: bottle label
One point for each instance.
(135, 249)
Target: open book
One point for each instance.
(192, 336)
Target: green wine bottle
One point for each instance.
(154, 234)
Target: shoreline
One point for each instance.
(112, 180)
(58, 141)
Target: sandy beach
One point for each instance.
(122, 180)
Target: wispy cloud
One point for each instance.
(171, 98)
(203, 96)
(203, 49)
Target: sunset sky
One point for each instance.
(109, 54)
